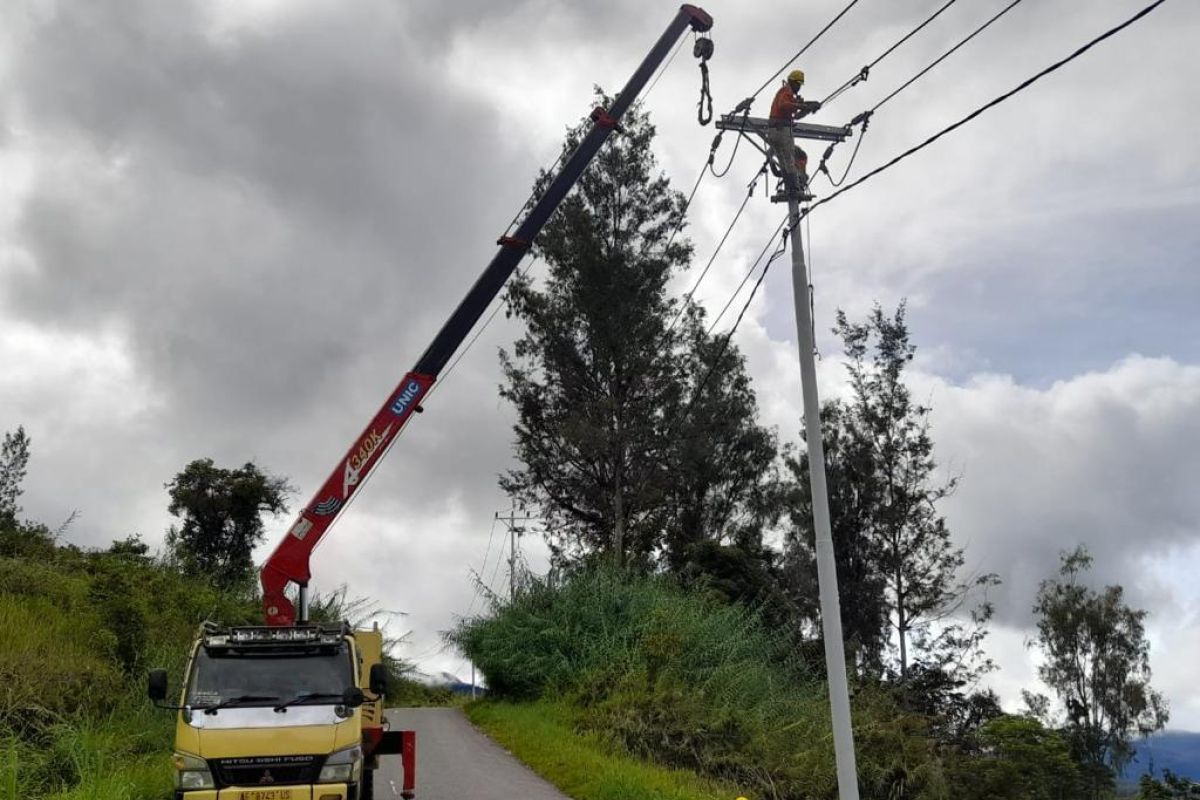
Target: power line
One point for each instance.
(749, 274)
(712, 367)
(991, 104)
(687, 298)
(801, 51)
(947, 54)
(483, 567)
(865, 71)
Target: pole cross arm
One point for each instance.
(801, 130)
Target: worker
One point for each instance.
(800, 159)
(784, 108)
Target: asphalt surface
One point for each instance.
(457, 762)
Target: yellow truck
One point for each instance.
(283, 713)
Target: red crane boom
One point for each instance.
(289, 563)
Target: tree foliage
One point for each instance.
(221, 512)
(14, 460)
(1018, 758)
(896, 562)
(1097, 661)
(626, 448)
(1171, 787)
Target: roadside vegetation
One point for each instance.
(585, 765)
(80, 628)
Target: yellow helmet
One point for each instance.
(796, 76)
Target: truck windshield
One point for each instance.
(219, 675)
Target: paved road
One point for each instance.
(457, 762)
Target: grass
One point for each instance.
(584, 765)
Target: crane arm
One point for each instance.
(289, 563)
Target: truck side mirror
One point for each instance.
(379, 679)
(157, 689)
(353, 697)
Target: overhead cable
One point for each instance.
(753, 268)
(947, 54)
(799, 53)
(991, 104)
(865, 71)
(704, 272)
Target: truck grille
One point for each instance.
(266, 770)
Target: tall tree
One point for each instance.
(1097, 660)
(850, 470)
(897, 563)
(723, 489)
(14, 459)
(604, 373)
(222, 513)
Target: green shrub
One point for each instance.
(686, 680)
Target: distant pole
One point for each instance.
(472, 680)
(831, 612)
(512, 563)
(514, 532)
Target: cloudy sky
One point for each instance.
(228, 227)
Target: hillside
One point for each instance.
(1177, 751)
(78, 630)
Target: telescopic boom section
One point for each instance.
(290, 561)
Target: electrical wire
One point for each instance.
(803, 49)
(712, 368)
(732, 155)
(862, 74)
(947, 54)
(483, 567)
(523, 272)
(990, 104)
(746, 279)
(862, 135)
(704, 272)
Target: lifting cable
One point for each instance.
(864, 73)
(991, 104)
(662, 69)
(703, 50)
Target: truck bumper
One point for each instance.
(324, 791)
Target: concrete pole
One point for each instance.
(831, 613)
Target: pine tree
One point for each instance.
(620, 445)
(897, 566)
(14, 460)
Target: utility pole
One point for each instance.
(831, 614)
(515, 531)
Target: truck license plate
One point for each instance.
(266, 794)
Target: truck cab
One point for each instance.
(283, 713)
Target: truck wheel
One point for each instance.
(366, 787)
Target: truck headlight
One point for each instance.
(342, 766)
(191, 772)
